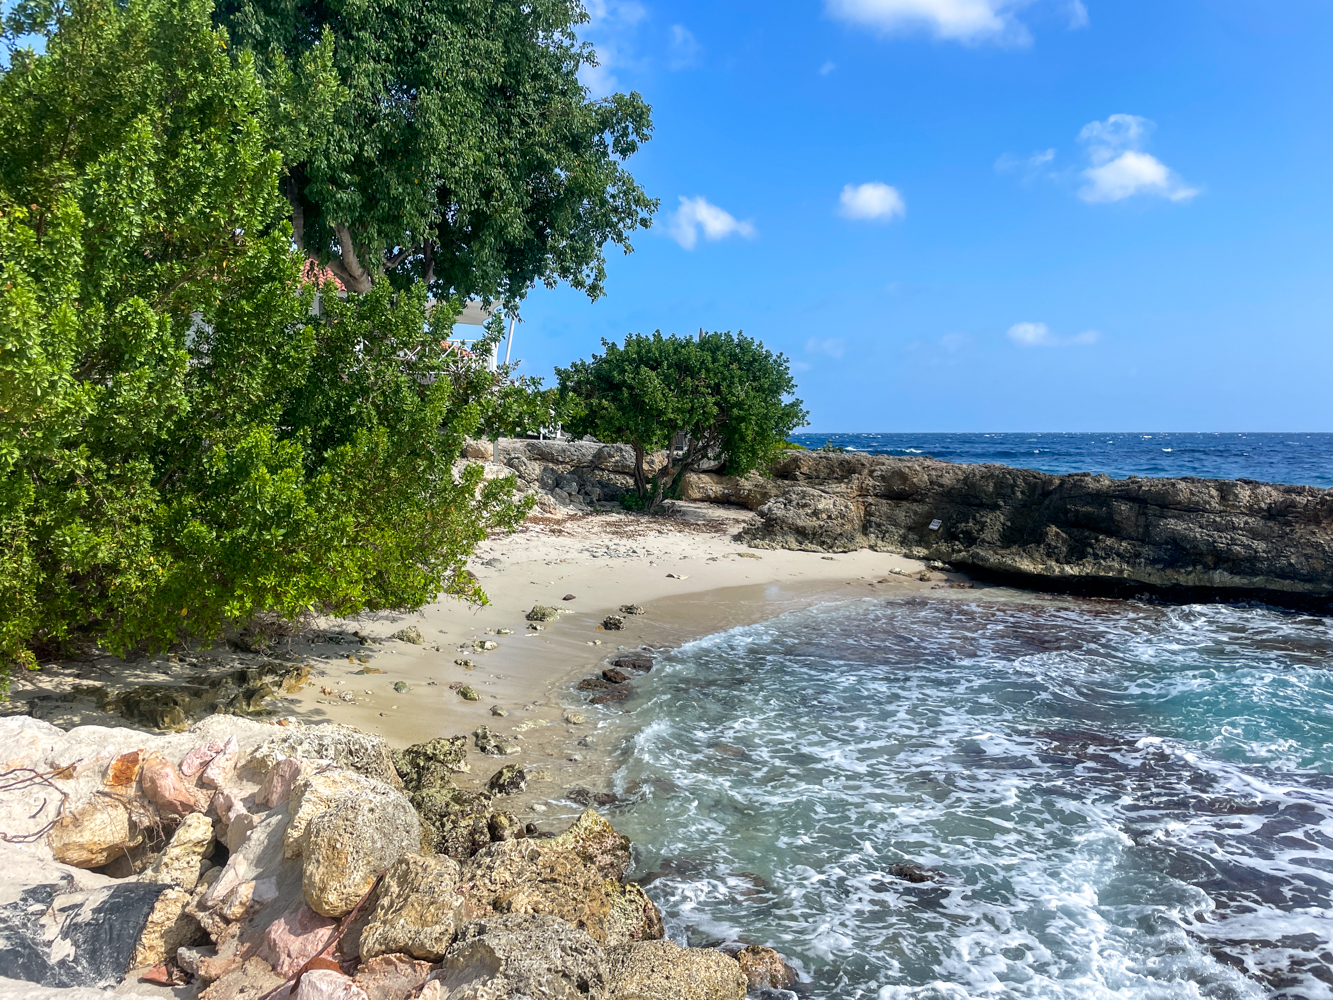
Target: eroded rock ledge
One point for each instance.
(1225, 537)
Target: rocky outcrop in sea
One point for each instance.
(310, 862)
(1182, 537)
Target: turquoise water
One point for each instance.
(1109, 799)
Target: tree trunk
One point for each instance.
(348, 266)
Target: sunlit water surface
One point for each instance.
(1113, 799)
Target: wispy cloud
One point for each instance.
(827, 68)
(698, 215)
(1031, 165)
(871, 201)
(611, 28)
(1118, 166)
(683, 47)
(967, 21)
(1041, 335)
(834, 347)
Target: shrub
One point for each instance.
(717, 396)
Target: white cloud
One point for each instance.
(957, 20)
(871, 201)
(1041, 335)
(827, 68)
(611, 27)
(684, 47)
(697, 215)
(1077, 14)
(834, 347)
(1119, 168)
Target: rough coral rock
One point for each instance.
(430, 764)
(527, 955)
(183, 860)
(663, 970)
(543, 613)
(418, 911)
(168, 928)
(410, 634)
(764, 968)
(348, 844)
(340, 745)
(93, 835)
(391, 977)
(596, 841)
(492, 743)
(319, 791)
(509, 780)
(1072, 531)
(458, 820)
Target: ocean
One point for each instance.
(994, 794)
(1304, 458)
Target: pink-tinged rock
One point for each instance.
(295, 938)
(277, 786)
(197, 759)
(239, 830)
(325, 984)
(220, 768)
(163, 785)
(227, 805)
(392, 977)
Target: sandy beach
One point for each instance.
(684, 569)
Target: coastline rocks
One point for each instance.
(457, 821)
(752, 491)
(596, 843)
(410, 634)
(613, 623)
(765, 969)
(1079, 530)
(335, 743)
(184, 860)
(425, 765)
(492, 743)
(346, 846)
(515, 955)
(541, 613)
(509, 780)
(418, 910)
(391, 977)
(165, 787)
(295, 938)
(663, 970)
(326, 984)
(94, 834)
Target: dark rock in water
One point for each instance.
(522, 954)
(615, 675)
(429, 765)
(912, 872)
(642, 662)
(593, 684)
(614, 694)
(1184, 537)
(509, 780)
(55, 935)
(586, 798)
(765, 969)
(613, 623)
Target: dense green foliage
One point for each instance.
(182, 444)
(717, 396)
(466, 152)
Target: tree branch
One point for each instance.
(354, 275)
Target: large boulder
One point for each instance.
(340, 745)
(458, 821)
(663, 970)
(350, 843)
(418, 910)
(430, 764)
(94, 834)
(513, 956)
(597, 843)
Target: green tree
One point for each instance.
(182, 444)
(466, 152)
(715, 397)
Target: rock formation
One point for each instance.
(228, 855)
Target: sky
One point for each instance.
(983, 215)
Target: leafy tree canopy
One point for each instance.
(182, 444)
(717, 396)
(464, 150)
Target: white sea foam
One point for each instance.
(1119, 800)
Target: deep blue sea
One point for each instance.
(1303, 458)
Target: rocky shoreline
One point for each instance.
(1182, 539)
(282, 860)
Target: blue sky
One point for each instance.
(984, 214)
